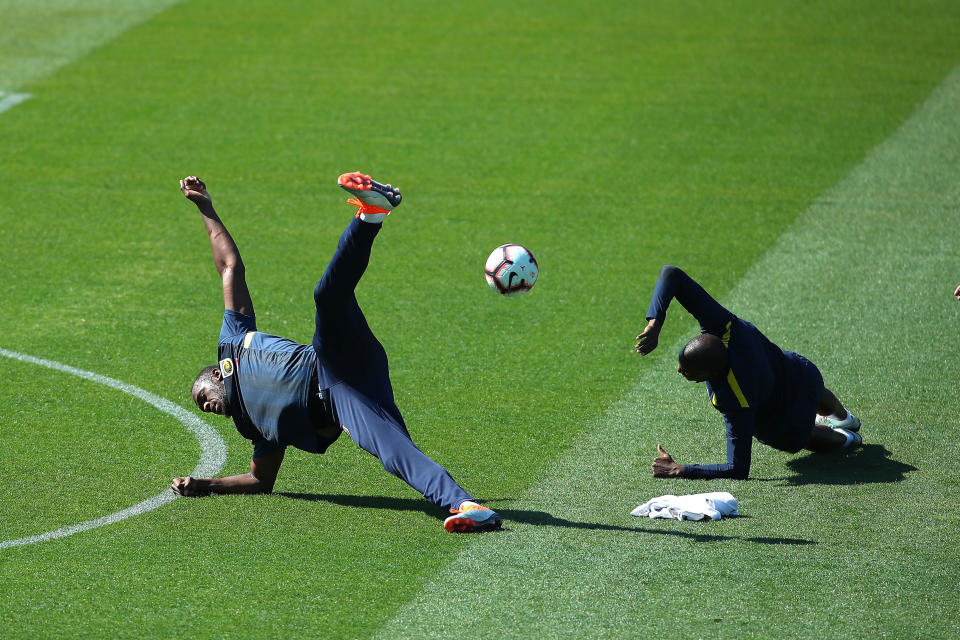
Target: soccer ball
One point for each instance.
(511, 269)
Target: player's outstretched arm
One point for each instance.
(262, 476)
(664, 465)
(226, 256)
(674, 283)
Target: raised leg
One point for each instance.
(346, 347)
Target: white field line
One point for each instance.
(212, 457)
(9, 100)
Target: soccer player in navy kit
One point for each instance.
(281, 393)
(763, 392)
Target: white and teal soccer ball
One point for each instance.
(511, 270)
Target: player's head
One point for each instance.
(208, 391)
(703, 358)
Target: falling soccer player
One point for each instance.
(281, 393)
(762, 391)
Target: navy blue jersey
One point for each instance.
(762, 392)
(269, 381)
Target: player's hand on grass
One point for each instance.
(196, 192)
(648, 338)
(664, 466)
(188, 487)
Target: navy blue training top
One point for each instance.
(758, 378)
(269, 381)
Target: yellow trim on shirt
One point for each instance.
(725, 338)
(735, 387)
(248, 339)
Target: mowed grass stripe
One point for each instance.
(48, 34)
(626, 96)
(860, 284)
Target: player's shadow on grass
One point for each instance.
(366, 502)
(536, 518)
(542, 518)
(869, 464)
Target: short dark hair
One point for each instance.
(704, 357)
(204, 378)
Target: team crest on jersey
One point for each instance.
(226, 367)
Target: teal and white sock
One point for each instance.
(853, 438)
(373, 218)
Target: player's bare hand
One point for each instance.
(196, 192)
(187, 487)
(648, 338)
(664, 466)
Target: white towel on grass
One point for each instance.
(691, 507)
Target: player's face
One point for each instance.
(212, 399)
(692, 376)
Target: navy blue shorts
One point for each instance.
(789, 429)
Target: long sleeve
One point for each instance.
(740, 427)
(675, 283)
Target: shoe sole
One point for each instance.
(369, 191)
(457, 524)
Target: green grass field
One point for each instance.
(799, 159)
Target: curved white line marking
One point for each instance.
(8, 100)
(212, 457)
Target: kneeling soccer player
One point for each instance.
(762, 391)
(281, 393)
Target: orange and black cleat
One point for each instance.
(473, 518)
(371, 197)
